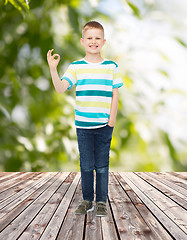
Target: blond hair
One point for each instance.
(92, 24)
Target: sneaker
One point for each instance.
(84, 207)
(101, 209)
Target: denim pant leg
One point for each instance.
(102, 150)
(85, 139)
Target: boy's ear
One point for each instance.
(104, 41)
(81, 40)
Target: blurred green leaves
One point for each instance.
(21, 5)
(74, 18)
(135, 9)
(37, 124)
(35, 121)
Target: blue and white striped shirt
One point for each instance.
(94, 84)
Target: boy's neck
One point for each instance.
(93, 58)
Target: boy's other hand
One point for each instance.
(53, 60)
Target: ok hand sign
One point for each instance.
(51, 59)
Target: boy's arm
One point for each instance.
(60, 86)
(114, 108)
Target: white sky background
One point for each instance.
(143, 48)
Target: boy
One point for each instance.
(97, 81)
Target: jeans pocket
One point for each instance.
(109, 126)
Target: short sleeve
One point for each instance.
(70, 76)
(117, 80)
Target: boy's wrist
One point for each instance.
(52, 69)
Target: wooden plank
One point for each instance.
(168, 206)
(15, 197)
(108, 226)
(157, 231)
(10, 205)
(176, 179)
(169, 183)
(93, 227)
(14, 180)
(173, 179)
(92, 223)
(38, 225)
(15, 229)
(179, 198)
(2, 174)
(12, 192)
(8, 175)
(182, 175)
(73, 224)
(161, 207)
(100, 227)
(129, 222)
(38, 192)
(53, 227)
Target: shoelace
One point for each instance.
(82, 206)
(101, 207)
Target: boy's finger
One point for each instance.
(49, 52)
(56, 55)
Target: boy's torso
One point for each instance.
(93, 93)
(94, 86)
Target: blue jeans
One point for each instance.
(94, 148)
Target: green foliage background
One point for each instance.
(37, 124)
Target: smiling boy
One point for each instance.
(97, 81)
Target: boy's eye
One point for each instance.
(97, 38)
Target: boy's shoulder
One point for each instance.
(109, 62)
(80, 61)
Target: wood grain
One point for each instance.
(141, 206)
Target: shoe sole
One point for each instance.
(90, 210)
(99, 215)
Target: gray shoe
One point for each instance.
(84, 207)
(101, 209)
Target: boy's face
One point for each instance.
(93, 40)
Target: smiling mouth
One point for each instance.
(93, 46)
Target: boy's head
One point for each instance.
(90, 25)
(93, 37)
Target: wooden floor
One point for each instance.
(36, 205)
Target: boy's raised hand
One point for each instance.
(52, 61)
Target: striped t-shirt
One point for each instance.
(94, 84)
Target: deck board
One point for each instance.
(41, 205)
(157, 231)
(69, 229)
(176, 196)
(180, 183)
